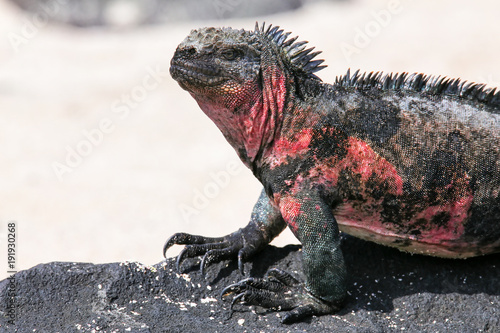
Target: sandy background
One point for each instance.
(159, 152)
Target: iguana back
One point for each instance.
(423, 163)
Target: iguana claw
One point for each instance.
(241, 244)
(279, 290)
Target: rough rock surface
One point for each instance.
(389, 291)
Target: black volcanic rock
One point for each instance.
(389, 291)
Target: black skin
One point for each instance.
(428, 144)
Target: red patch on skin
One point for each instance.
(284, 148)
(261, 122)
(248, 116)
(361, 160)
(366, 220)
(441, 241)
(290, 209)
(299, 142)
(458, 211)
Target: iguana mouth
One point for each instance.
(195, 73)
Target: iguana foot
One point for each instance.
(241, 244)
(279, 290)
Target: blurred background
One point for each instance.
(103, 156)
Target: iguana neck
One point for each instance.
(251, 127)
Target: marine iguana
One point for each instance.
(409, 161)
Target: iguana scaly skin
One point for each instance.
(409, 161)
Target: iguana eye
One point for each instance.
(231, 54)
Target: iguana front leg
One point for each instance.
(312, 221)
(265, 224)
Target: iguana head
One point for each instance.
(227, 64)
(243, 80)
(219, 64)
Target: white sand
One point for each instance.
(124, 199)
